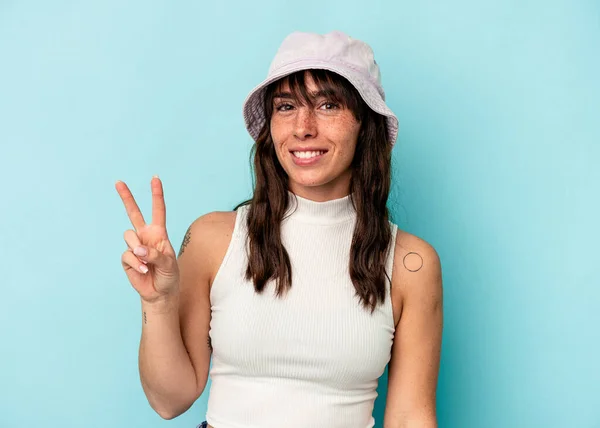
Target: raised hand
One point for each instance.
(149, 261)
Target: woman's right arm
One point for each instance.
(175, 351)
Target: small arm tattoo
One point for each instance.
(186, 240)
(144, 317)
(210, 344)
(412, 264)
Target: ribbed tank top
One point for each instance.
(312, 358)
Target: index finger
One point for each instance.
(159, 211)
(133, 211)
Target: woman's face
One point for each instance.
(299, 130)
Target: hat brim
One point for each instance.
(254, 115)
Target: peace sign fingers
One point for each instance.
(149, 261)
(133, 211)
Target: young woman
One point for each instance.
(304, 293)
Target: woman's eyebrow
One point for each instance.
(323, 93)
(282, 95)
(316, 94)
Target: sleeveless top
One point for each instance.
(312, 358)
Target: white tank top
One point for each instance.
(312, 358)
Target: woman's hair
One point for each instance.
(369, 186)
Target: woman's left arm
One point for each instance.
(414, 365)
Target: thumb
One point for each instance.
(151, 255)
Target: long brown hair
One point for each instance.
(369, 187)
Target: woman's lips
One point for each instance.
(306, 161)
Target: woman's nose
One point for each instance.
(306, 124)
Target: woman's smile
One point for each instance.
(307, 158)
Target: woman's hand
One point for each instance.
(149, 261)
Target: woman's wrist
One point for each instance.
(162, 305)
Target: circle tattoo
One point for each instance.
(412, 268)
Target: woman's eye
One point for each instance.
(330, 106)
(284, 107)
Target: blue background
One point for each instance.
(496, 166)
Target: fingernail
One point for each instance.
(140, 251)
(155, 176)
(143, 268)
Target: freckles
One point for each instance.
(345, 123)
(343, 128)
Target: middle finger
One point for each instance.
(158, 202)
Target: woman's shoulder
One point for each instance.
(211, 231)
(214, 224)
(217, 226)
(210, 235)
(408, 243)
(417, 266)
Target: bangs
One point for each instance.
(329, 85)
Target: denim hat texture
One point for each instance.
(334, 51)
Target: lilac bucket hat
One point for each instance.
(334, 51)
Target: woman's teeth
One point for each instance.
(307, 155)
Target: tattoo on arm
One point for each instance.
(210, 344)
(186, 241)
(412, 264)
(144, 317)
